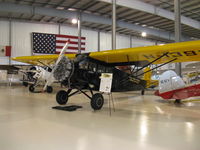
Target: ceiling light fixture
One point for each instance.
(74, 21)
(143, 34)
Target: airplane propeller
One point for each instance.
(62, 68)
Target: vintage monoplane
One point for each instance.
(172, 86)
(82, 71)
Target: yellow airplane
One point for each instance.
(82, 71)
(147, 77)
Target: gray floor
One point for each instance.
(27, 122)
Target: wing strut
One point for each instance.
(156, 67)
(151, 62)
(44, 64)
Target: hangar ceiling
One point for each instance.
(131, 20)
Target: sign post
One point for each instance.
(106, 86)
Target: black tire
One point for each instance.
(62, 97)
(177, 101)
(142, 92)
(31, 88)
(25, 84)
(97, 101)
(49, 89)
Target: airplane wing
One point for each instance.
(174, 52)
(179, 52)
(41, 59)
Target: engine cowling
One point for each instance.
(64, 69)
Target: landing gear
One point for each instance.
(97, 101)
(25, 84)
(31, 88)
(177, 101)
(142, 92)
(49, 89)
(62, 97)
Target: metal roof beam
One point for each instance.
(52, 12)
(148, 8)
(91, 3)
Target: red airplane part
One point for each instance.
(182, 93)
(172, 86)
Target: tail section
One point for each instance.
(169, 83)
(147, 77)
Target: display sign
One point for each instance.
(3, 75)
(106, 82)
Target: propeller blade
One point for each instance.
(51, 79)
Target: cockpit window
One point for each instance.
(101, 69)
(83, 65)
(92, 67)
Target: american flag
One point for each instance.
(44, 43)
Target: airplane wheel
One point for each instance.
(49, 89)
(62, 97)
(142, 92)
(97, 101)
(31, 88)
(25, 84)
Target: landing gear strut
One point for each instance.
(142, 92)
(25, 84)
(49, 89)
(96, 102)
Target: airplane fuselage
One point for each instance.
(86, 71)
(181, 93)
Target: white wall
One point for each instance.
(122, 41)
(68, 30)
(21, 37)
(4, 33)
(136, 42)
(91, 40)
(105, 41)
(4, 39)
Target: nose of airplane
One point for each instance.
(64, 69)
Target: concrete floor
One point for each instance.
(27, 122)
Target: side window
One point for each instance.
(101, 68)
(83, 65)
(109, 69)
(92, 67)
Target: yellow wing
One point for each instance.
(41, 59)
(182, 52)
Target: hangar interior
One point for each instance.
(139, 121)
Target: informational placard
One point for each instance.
(106, 82)
(3, 75)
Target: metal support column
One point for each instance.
(10, 38)
(113, 24)
(79, 32)
(98, 40)
(177, 14)
(59, 26)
